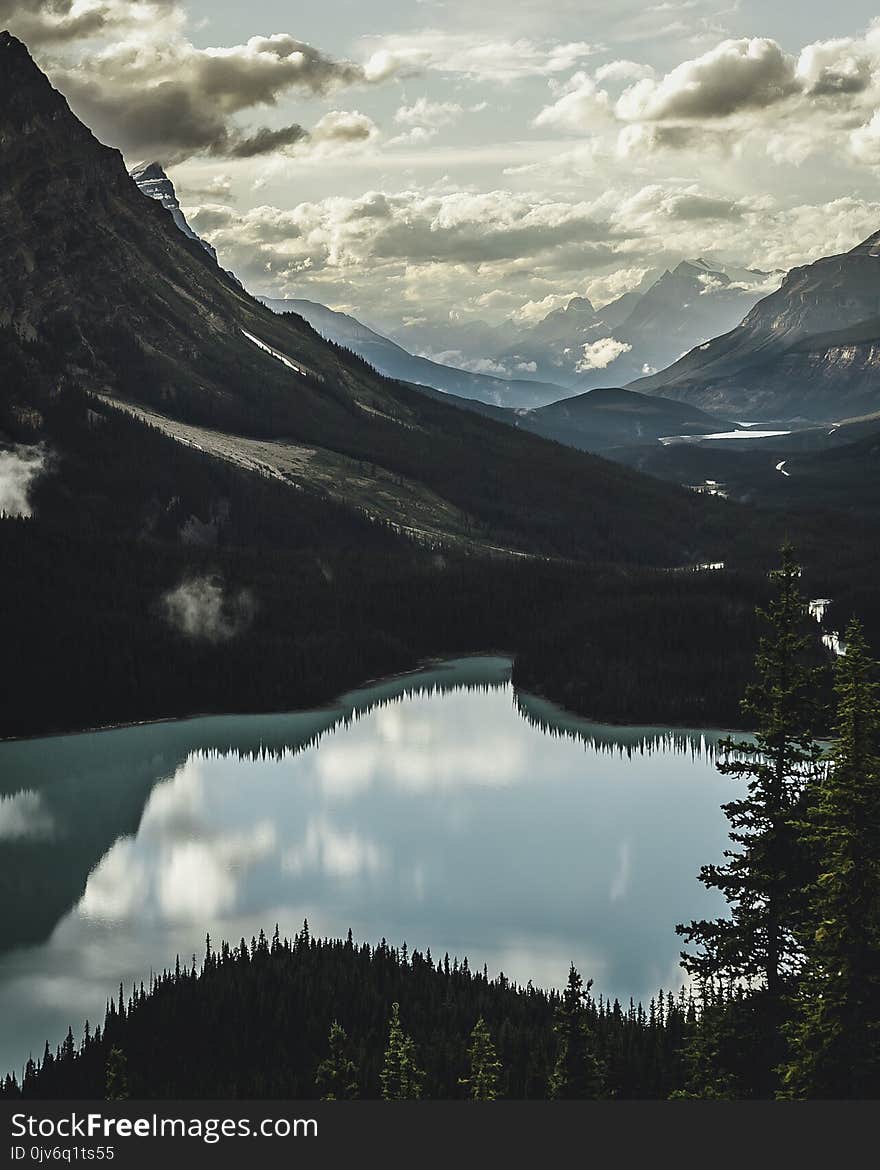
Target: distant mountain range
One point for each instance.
(650, 326)
(641, 331)
(395, 362)
(809, 351)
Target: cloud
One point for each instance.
(533, 311)
(265, 141)
(424, 119)
(54, 23)
(220, 187)
(150, 91)
(20, 468)
(408, 228)
(201, 608)
(580, 105)
(841, 66)
(427, 113)
(495, 254)
(865, 141)
(342, 127)
(735, 75)
(741, 99)
(477, 58)
(598, 355)
(623, 71)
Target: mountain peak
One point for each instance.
(153, 182)
(20, 76)
(579, 305)
(149, 172)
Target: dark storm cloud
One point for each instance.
(264, 141)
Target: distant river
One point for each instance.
(443, 809)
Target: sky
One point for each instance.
(448, 162)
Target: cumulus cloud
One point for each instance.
(470, 229)
(616, 71)
(741, 95)
(20, 468)
(150, 91)
(842, 66)
(580, 105)
(496, 254)
(343, 127)
(202, 608)
(865, 141)
(735, 75)
(56, 22)
(598, 355)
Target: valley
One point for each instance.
(487, 636)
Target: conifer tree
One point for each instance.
(401, 1078)
(484, 1063)
(336, 1076)
(835, 1036)
(577, 1073)
(116, 1076)
(763, 875)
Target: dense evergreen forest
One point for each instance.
(786, 986)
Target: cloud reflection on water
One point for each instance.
(458, 819)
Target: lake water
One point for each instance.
(444, 809)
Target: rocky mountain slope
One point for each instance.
(100, 292)
(811, 350)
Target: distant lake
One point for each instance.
(444, 809)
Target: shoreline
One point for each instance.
(422, 666)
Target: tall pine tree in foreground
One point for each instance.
(485, 1065)
(336, 1076)
(764, 874)
(835, 1036)
(577, 1073)
(401, 1078)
